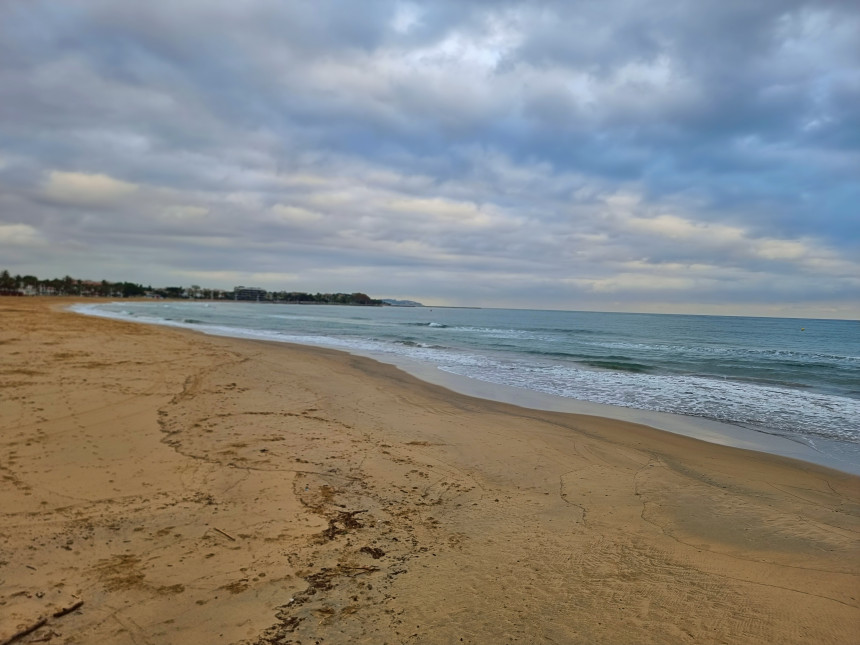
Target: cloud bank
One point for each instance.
(658, 156)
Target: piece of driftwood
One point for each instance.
(29, 629)
(41, 622)
(68, 610)
(225, 534)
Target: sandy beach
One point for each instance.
(159, 486)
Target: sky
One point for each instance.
(622, 155)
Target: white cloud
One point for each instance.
(639, 282)
(771, 249)
(679, 228)
(444, 210)
(82, 189)
(20, 235)
(734, 246)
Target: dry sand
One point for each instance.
(159, 486)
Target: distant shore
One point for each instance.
(170, 487)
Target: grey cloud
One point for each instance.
(438, 138)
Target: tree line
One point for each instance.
(69, 286)
(323, 298)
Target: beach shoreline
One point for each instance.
(191, 489)
(708, 430)
(816, 449)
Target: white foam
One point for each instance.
(761, 406)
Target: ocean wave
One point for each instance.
(780, 409)
(434, 325)
(734, 352)
(638, 368)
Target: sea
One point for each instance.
(781, 385)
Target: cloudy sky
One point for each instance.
(622, 155)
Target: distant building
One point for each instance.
(249, 293)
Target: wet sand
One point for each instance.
(160, 486)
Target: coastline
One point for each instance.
(708, 430)
(192, 488)
(831, 453)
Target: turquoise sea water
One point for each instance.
(797, 378)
